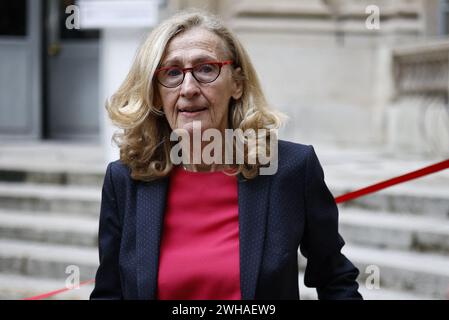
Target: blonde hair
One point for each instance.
(145, 139)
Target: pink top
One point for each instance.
(199, 253)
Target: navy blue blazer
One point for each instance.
(277, 215)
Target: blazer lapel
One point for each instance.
(151, 200)
(253, 207)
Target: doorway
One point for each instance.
(20, 69)
(71, 77)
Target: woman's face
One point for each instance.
(192, 100)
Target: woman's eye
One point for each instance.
(206, 68)
(173, 72)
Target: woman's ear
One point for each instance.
(237, 83)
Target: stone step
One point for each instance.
(85, 176)
(20, 287)
(50, 198)
(49, 228)
(63, 162)
(367, 294)
(394, 231)
(418, 273)
(16, 287)
(422, 274)
(46, 260)
(414, 199)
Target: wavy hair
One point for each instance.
(144, 140)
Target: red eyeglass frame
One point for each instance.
(184, 70)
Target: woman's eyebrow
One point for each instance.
(171, 62)
(178, 62)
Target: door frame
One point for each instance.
(33, 40)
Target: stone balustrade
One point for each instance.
(419, 113)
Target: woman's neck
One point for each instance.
(203, 167)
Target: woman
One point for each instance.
(210, 230)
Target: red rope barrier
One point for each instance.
(53, 293)
(343, 198)
(388, 183)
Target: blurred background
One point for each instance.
(365, 82)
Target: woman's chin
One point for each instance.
(197, 125)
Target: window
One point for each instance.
(13, 20)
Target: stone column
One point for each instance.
(118, 48)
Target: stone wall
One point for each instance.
(320, 64)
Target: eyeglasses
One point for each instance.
(204, 72)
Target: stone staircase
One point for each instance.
(410, 248)
(49, 220)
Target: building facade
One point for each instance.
(339, 69)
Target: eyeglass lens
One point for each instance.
(205, 73)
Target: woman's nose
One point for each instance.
(190, 86)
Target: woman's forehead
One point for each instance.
(195, 44)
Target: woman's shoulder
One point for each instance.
(289, 147)
(295, 159)
(118, 170)
(293, 153)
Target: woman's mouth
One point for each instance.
(191, 112)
